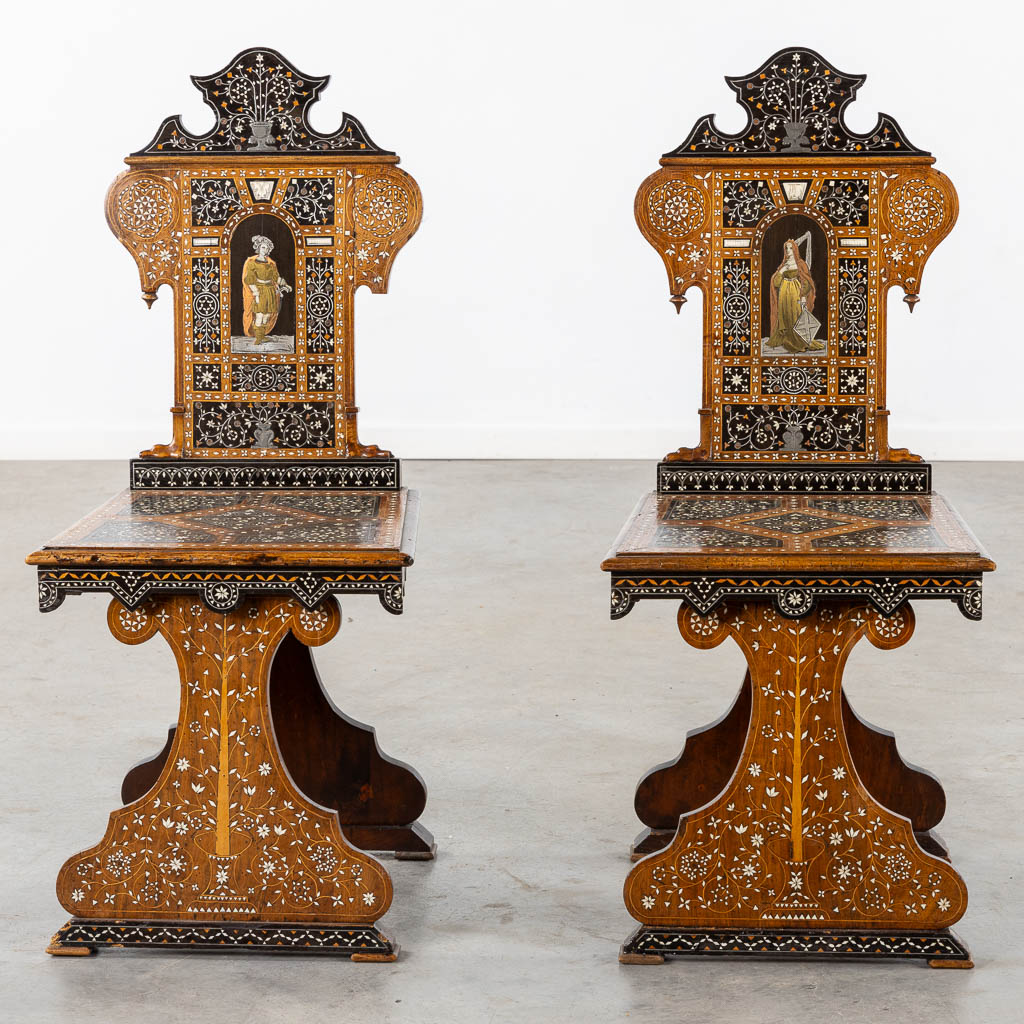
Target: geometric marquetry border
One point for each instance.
(863, 945)
(794, 596)
(885, 478)
(221, 590)
(212, 474)
(356, 941)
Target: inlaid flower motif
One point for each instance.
(301, 889)
(943, 904)
(183, 764)
(705, 625)
(77, 895)
(324, 859)
(206, 379)
(369, 898)
(839, 772)
(897, 254)
(694, 864)
(647, 902)
(898, 866)
(694, 254)
(119, 863)
(264, 768)
(754, 769)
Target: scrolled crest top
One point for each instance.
(262, 104)
(795, 104)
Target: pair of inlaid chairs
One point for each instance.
(789, 827)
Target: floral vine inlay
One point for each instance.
(795, 839)
(224, 834)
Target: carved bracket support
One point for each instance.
(673, 211)
(144, 212)
(918, 208)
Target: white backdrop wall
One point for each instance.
(527, 317)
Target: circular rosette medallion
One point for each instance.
(145, 207)
(382, 207)
(915, 207)
(676, 208)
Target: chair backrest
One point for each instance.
(263, 228)
(794, 229)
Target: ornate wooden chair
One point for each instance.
(790, 826)
(249, 829)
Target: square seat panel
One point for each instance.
(806, 533)
(242, 527)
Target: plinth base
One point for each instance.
(649, 945)
(358, 942)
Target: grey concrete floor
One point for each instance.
(531, 716)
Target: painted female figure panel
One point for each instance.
(794, 302)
